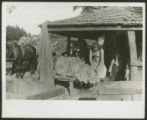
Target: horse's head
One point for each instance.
(11, 51)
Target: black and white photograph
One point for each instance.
(73, 53)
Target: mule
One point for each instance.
(18, 54)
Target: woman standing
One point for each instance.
(97, 58)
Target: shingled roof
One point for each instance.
(111, 15)
(90, 24)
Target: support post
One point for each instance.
(68, 45)
(133, 55)
(45, 58)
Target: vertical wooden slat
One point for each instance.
(133, 55)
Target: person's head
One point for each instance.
(77, 49)
(101, 40)
(71, 45)
(117, 54)
(95, 47)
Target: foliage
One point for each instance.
(14, 33)
(58, 43)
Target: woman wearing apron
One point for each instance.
(97, 58)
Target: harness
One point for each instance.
(22, 50)
(14, 52)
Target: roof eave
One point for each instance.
(91, 24)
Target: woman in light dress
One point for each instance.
(97, 58)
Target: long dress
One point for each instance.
(98, 63)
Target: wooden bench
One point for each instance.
(66, 79)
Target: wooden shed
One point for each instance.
(89, 25)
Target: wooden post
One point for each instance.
(133, 55)
(68, 45)
(45, 58)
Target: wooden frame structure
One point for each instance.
(104, 19)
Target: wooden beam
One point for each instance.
(68, 44)
(94, 24)
(89, 28)
(133, 55)
(51, 25)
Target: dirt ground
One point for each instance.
(17, 88)
(30, 85)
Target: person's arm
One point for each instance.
(102, 55)
(110, 67)
(116, 61)
(101, 62)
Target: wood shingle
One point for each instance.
(105, 16)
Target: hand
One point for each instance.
(96, 71)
